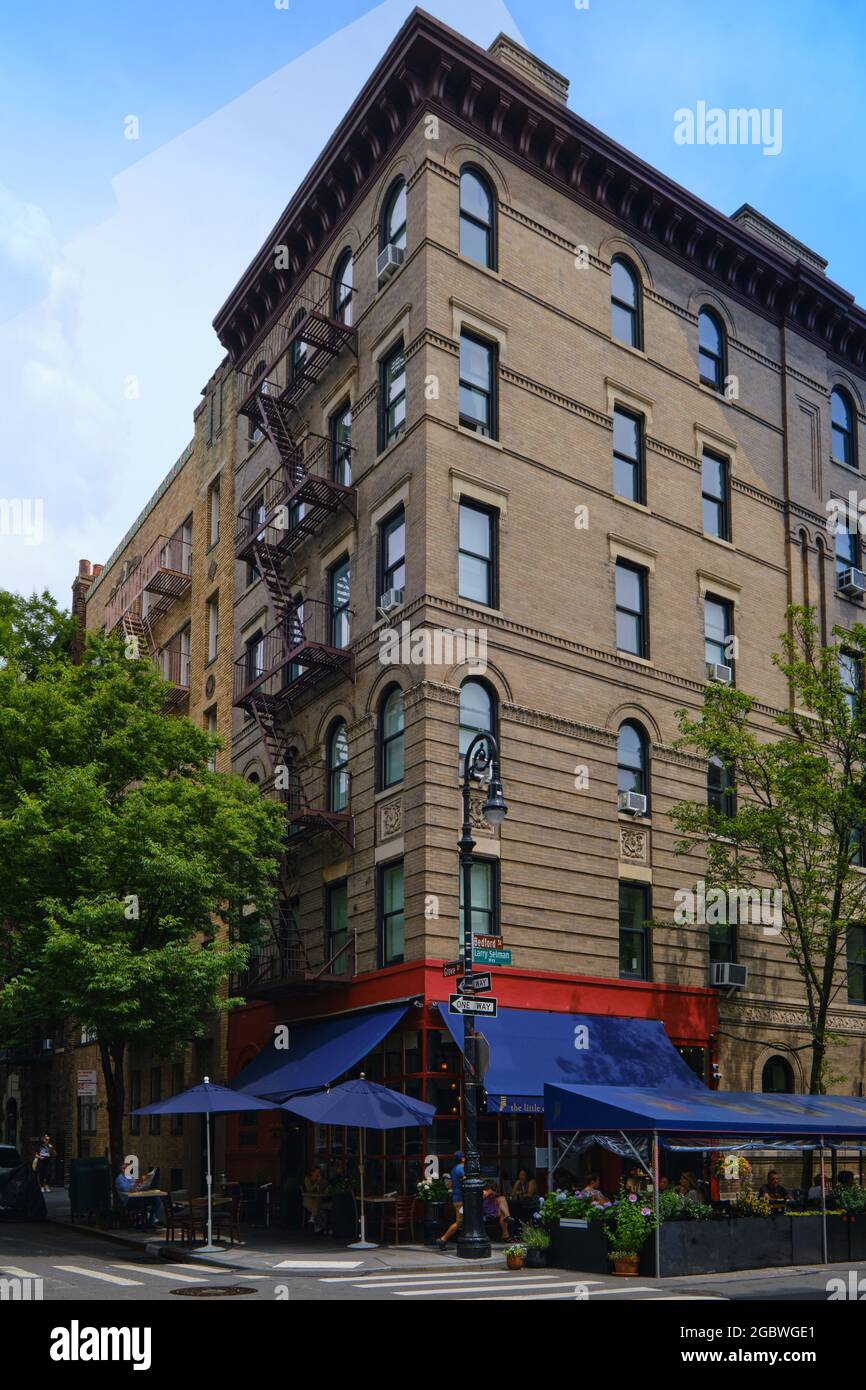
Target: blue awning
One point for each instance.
(317, 1053)
(529, 1047)
(710, 1113)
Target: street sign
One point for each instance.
(475, 984)
(87, 1083)
(459, 1004)
(486, 957)
(486, 943)
(452, 967)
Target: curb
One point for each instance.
(114, 1237)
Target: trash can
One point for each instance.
(89, 1187)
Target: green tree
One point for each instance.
(800, 810)
(33, 630)
(130, 875)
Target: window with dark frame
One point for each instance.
(632, 628)
(478, 385)
(477, 217)
(718, 631)
(392, 552)
(391, 738)
(254, 518)
(477, 712)
(254, 656)
(628, 455)
(337, 924)
(477, 558)
(715, 496)
(339, 588)
(711, 350)
(722, 943)
(843, 437)
(393, 226)
(392, 397)
(848, 549)
(341, 445)
(856, 960)
(485, 898)
(338, 767)
(625, 303)
(632, 759)
(634, 946)
(391, 913)
(721, 789)
(343, 289)
(851, 676)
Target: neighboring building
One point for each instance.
(517, 383)
(168, 588)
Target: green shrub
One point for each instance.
(534, 1237)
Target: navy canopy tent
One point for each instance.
(529, 1047)
(316, 1053)
(711, 1113)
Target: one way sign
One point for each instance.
(459, 1004)
(475, 984)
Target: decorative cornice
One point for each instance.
(430, 68)
(791, 1017)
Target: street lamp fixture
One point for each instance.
(482, 757)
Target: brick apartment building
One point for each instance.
(516, 383)
(497, 378)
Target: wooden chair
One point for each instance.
(176, 1210)
(397, 1217)
(227, 1215)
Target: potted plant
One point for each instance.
(434, 1193)
(628, 1223)
(537, 1242)
(515, 1256)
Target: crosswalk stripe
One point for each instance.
(161, 1274)
(98, 1274)
(205, 1269)
(440, 1289)
(313, 1265)
(445, 1274)
(19, 1273)
(443, 1284)
(551, 1292)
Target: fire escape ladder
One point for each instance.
(269, 563)
(276, 426)
(136, 629)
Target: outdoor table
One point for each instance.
(381, 1203)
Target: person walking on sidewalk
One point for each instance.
(456, 1178)
(44, 1160)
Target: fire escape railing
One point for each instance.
(294, 656)
(163, 573)
(309, 484)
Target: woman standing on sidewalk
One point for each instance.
(44, 1160)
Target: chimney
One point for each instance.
(80, 586)
(530, 68)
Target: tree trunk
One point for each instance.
(112, 1056)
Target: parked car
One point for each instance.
(21, 1197)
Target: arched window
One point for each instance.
(338, 767)
(391, 725)
(393, 229)
(711, 349)
(477, 712)
(625, 302)
(631, 760)
(343, 288)
(777, 1078)
(721, 793)
(844, 448)
(477, 217)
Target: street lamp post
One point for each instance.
(481, 755)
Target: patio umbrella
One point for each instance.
(206, 1099)
(362, 1104)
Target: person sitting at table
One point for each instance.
(814, 1193)
(524, 1186)
(773, 1189)
(128, 1189)
(845, 1179)
(592, 1190)
(687, 1187)
(313, 1190)
(496, 1208)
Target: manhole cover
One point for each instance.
(213, 1291)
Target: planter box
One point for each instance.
(856, 1226)
(582, 1246)
(719, 1247)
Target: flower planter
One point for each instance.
(514, 1261)
(580, 1245)
(435, 1222)
(536, 1258)
(626, 1265)
(719, 1247)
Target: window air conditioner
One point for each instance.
(717, 672)
(852, 582)
(633, 803)
(391, 599)
(725, 972)
(388, 262)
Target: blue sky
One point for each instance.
(103, 239)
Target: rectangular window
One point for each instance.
(477, 559)
(634, 956)
(632, 628)
(176, 1125)
(718, 631)
(254, 656)
(851, 676)
(86, 1116)
(485, 898)
(856, 951)
(210, 723)
(392, 395)
(392, 552)
(340, 586)
(723, 943)
(341, 446)
(337, 920)
(715, 496)
(155, 1094)
(134, 1101)
(255, 515)
(186, 546)
(213, 504)
(628, 454)
(213, 627)
(391, 918)
(847, 549)
(477, 385)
